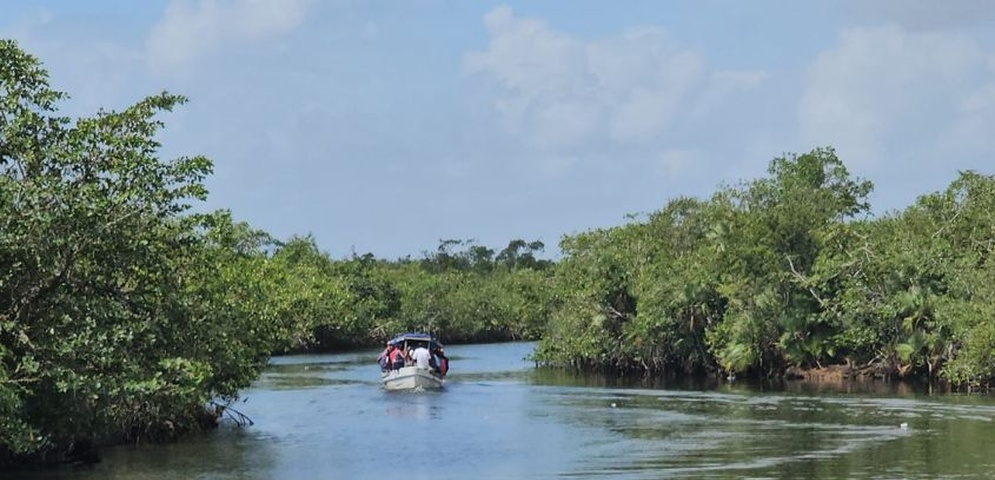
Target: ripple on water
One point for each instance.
(677, 433)
(325, 416)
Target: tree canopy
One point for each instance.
(788, 270)
(125, 314)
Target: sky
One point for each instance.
(386, 126)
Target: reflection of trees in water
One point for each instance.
(545, 422)
(905, 388)
(225, 454)
(782, 430)
(571, 378)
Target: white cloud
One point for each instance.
(885, 89)
(193, 29)
(562, 93)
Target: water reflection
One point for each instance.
(797, 431)
(228, 454)
(325, 416)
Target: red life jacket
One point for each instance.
(443, 365)
(396, 357)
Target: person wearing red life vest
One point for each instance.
(397, 357)
(441, 361)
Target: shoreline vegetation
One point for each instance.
(125, 316)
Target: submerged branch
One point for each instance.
(238, 417)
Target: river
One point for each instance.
(325, 417)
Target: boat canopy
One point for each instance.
(416, 337)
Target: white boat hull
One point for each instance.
(411, 378)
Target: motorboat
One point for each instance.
(410, 376)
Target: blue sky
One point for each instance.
(384, 127)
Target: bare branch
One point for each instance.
(805, 282)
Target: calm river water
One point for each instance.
(325, 417)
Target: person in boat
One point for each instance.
(397, 357)
(422, 357)
(384, 358)
(441, 361)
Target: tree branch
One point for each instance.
(805, 282)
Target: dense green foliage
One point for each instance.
(787, 271)
(460, 296)
(120, 315)
(125, 316)
(473, 295)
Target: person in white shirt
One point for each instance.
(422, 357)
